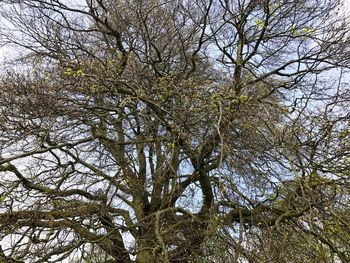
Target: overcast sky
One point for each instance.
(7, 53)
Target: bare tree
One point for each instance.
(175, 131)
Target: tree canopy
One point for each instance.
(175, 131)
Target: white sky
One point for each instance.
(7, 53)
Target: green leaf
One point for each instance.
(259, 23)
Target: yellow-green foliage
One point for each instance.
(73, 73)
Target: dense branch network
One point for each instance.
(174, 131)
